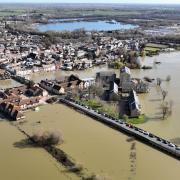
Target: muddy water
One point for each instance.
(152, 101)
(101, 149)
(37, 77)
(9, 83)
(98, 148)
(19, 161)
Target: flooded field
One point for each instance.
(151, 102)
(100, 149)
(20, 161)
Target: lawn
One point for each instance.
(108, 108)
(141, 119)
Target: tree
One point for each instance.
(97, 90)
(47, 138)
(164, 94)
(159, 81)
(166, 109)
(97, 177)
(168, 78)
(125, 117)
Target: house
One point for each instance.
(88, 82)
(36, 91)
(45, 84)
(11, 111)
(125, 79)
(104, 78)
(57, 89)
(129, 105)
(111, 93)
(127, 83)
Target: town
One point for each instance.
(89, 91)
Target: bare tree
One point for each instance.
(164, 94)
(166, 108)
(159, 81)
(97, 177)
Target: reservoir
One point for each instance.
(87, 25)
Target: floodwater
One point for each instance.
(8, 83)
(20, 161)
(87, 25)
(100, 149)
(151, 102)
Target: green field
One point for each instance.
(159, 46)
(152, 49)
(4, 13)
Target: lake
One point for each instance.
(58, 25)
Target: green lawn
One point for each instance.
(142, 119)
(111, 110)
(102, 107)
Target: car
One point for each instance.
(135, 128)
(171, 145)
(164, 141)
(121, 122)
(145, 133)
(178, 148)
(140, 130)
(158, 139)
(151, 135)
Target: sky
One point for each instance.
(94, 1)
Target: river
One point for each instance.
(97, 147)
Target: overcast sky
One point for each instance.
(94, 1)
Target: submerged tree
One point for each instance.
(168, 78)
(166, 109)
(159, 81)
(97, 177)
(47, 138)
(164, 94)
